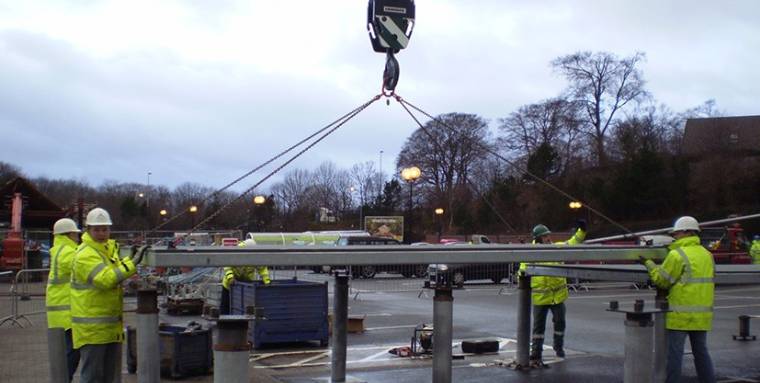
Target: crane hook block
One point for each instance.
(390, 24)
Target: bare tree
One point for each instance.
(291, 192)
(553, 122)
(447, 151)
(603, 84)
(364, 178)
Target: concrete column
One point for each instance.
(231, 350)
(638, 348)
(59, 370)
(148, 353)
(660, 351)
(522, 357)
(443, 311)
(340, 323)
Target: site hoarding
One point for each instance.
(385, 226)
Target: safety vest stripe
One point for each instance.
(119, 274)
(541, 291)
(96, 320)
(686, 264)
(698, 280)
(59, 308)
(54, 266)
(52, 282)
(94, 273)
(691, 309)
(81, 286)
(666, 275)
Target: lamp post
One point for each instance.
(163, 214)
(439, 217)
(258, 201)
(361, 206)
(193, 209)
(410, 175)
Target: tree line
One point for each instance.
(604, 140)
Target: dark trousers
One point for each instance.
(72, 355)
(539, 327)
(101, 363)
(702, 361)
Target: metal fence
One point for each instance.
(26, 298)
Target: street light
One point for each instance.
(193, 209)
(439, 217)
(575, 205)
(163, 212)
(410, 175)
(259, 199)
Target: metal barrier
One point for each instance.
(27, 294)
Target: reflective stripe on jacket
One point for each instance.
(754, 252)
(96, 294)
(551, 290)
(687, 273)
(57, 302)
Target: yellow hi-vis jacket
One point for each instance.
(57, 295)
(754, 252)
(687, 272)
(96, 294)
(244, 274)
(551, 290)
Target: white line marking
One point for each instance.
(390, 327)
(735, 307)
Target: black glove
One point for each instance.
(581, 224)
(642, 260)
(138, 256)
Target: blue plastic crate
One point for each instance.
(181, 353)
(294, 311)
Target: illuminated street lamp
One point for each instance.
(439, 218)
(163, 212)
(259, 199)
(575, 205)
(410, 175)
(193, 210)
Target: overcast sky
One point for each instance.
(202, 90)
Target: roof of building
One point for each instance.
(722, 134)
(39, 212)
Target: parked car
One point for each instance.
(460, 273)
(369, 271)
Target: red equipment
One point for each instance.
(12, 257)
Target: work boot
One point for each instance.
(560, 352)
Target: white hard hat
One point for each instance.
(65, 225)
(685, 223)
(98, 217)
(249, 242)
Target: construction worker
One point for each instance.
(243, 274)
(58, 307)
(754, 250)
(687, 273)
(549, 294)
(96, 299)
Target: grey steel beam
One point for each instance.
(340, 326)
(391, 255)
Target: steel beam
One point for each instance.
(340, 325)
(148, 353)
(391, 255)
(443, 324)
(59, 371)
